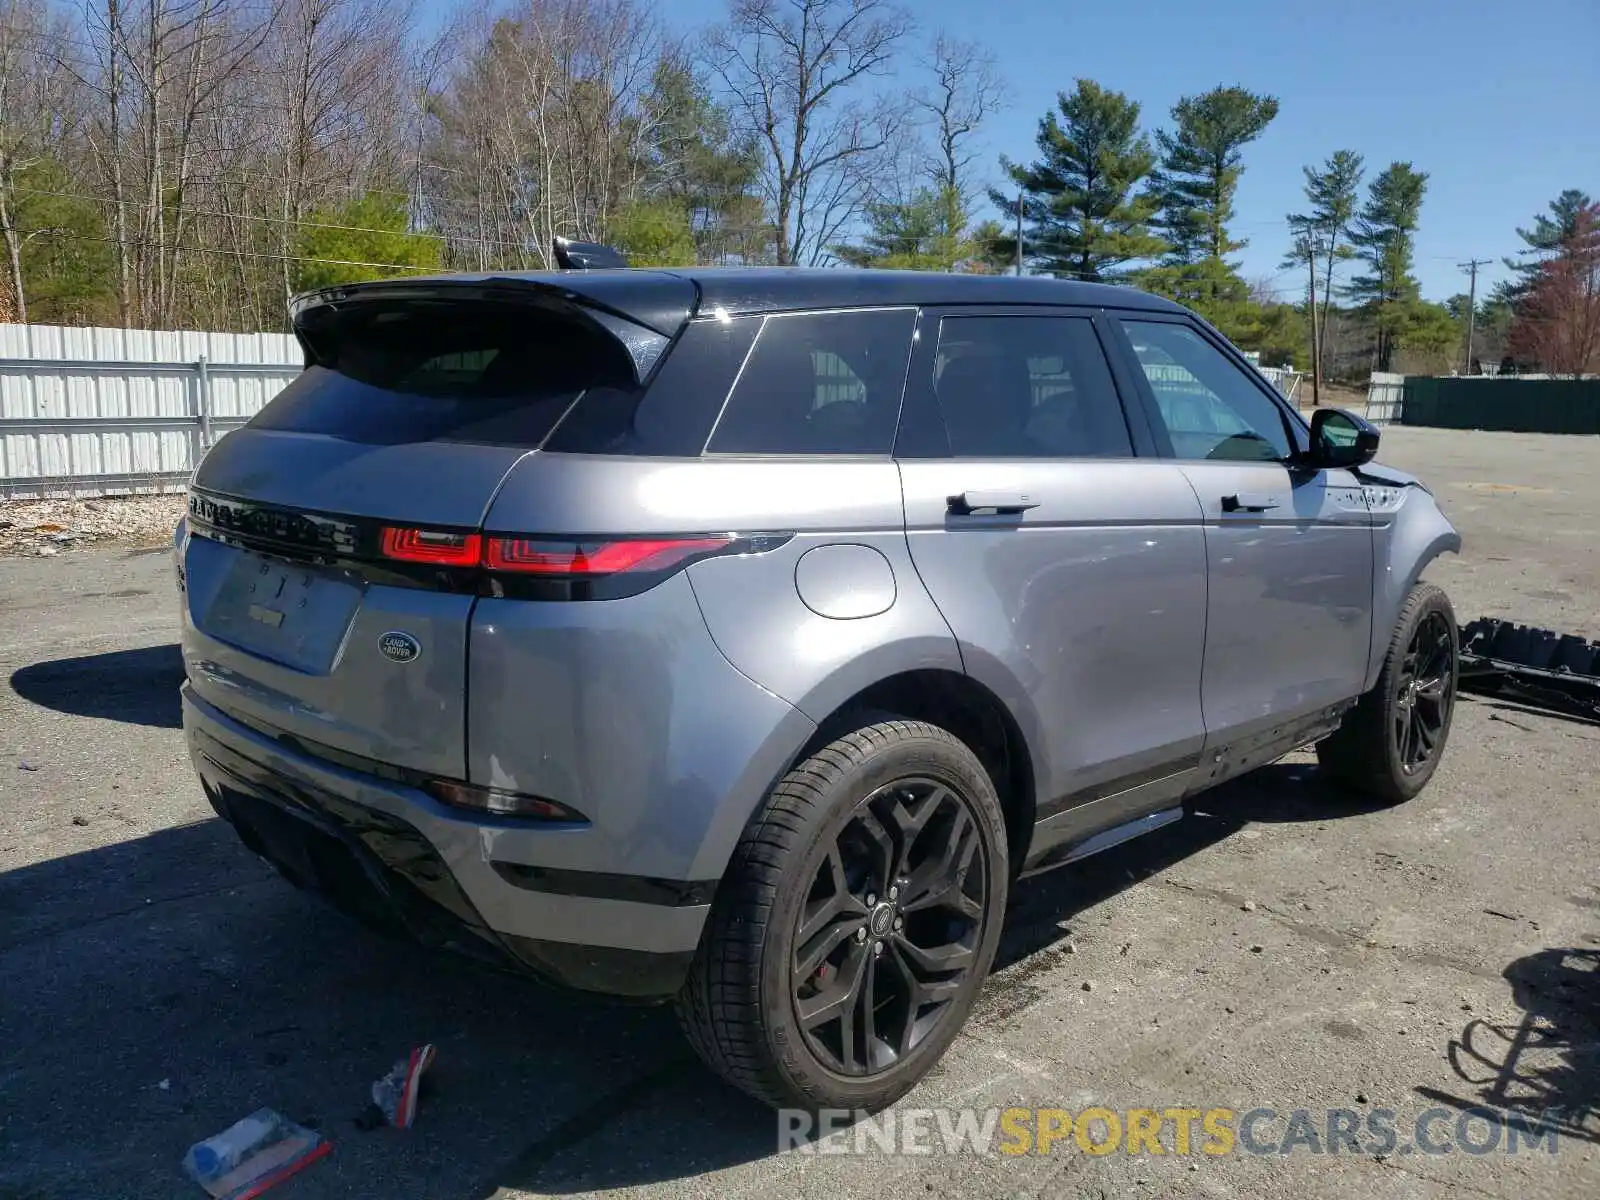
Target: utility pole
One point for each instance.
(1471, 267)
(1316, 334)
(1019, 234)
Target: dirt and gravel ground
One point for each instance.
(1284, 947)
(44, 528)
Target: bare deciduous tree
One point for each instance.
(35, 113)
(966, 91)
(543, 129)
(796, 72)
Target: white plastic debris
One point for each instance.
(253, 1155)
(396, 1093)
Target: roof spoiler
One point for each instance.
(586, 256)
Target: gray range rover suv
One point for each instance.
(738, 638)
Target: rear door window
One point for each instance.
(819, 383)
(1027, 387)
(387, 374)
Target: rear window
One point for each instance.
(670, 418)
(819, 383)
(421, 371)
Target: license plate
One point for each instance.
(292, 614)
(277, 593)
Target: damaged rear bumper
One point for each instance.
(393, 858)
(1552, 670)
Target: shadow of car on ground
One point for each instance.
(197, 968)
(190, 962)
(138, 687)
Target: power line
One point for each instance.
(234, 253)
(204, 212)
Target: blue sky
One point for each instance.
(1498, 101)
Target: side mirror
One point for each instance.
(1341, 439)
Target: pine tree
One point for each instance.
(365, 239)
(1200, 168)
(1334, 193)
(1086, 216)
(1548, 235)
(926, 233)
(1558, 321)
(1384, 235)
(1201, 162)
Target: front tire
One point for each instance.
(856, 922)
(1390, 744)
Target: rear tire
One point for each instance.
(1390, 744)
(855, 924)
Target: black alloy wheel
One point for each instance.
(1392, 741)
(1426, 691)
(890, 927)
(856, 922)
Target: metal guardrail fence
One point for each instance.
(1385, 395)
(95, 411)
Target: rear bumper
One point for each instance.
(397, 859)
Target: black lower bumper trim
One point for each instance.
(625, 974)
(385, 873)
(598, 885)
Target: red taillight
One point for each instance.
(523, 567)
(432, 547)
(530, 557)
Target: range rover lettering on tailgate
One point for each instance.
(739, 638)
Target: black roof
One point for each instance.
(662, 299)
(777, 289)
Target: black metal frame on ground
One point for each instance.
(1536, 666)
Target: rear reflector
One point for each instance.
(501, 803)
(432, 547)
(595, 558)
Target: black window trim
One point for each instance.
(922, 435)
(642, 394)
(864, 456)
(1294, 425)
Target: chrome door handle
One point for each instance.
(968, 503)
(1249, 502)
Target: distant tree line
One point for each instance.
(192, 163)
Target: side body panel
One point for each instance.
(1084, 612)
(626, 711)
(788, 619)
(1409, 532)
(1085, 615)
(1290, 622)
(661, 709)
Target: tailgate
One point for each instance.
(288, 626)
(331, 565)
